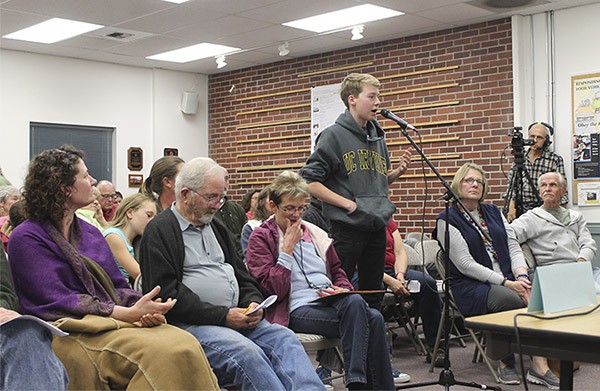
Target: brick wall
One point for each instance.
(475, 115)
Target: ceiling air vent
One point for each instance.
(118, 34)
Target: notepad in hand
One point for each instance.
(53, 329)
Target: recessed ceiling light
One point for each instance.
(194, 52)
(53, 30)
(343, 18)
(176, 1)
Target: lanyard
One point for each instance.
(489, 246)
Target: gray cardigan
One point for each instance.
(553, 242)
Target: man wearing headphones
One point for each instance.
(538, 160)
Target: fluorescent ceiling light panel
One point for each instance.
(176, 1)
(53, 30)
(343, 18)
(194, 52)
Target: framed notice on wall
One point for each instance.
(135, 158)
(585, 91)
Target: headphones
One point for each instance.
(549, 128)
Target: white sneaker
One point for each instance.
(400, 377)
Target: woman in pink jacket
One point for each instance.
(296, 261)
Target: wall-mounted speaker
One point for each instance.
(189, 103)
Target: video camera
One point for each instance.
(518, 142)
(517, 138)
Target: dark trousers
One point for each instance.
(363, 252)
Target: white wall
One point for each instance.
(576, 52)
(142, 104)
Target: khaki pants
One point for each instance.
(135, 358)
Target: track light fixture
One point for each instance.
(284, 49)
(357, 32)
(221, 63)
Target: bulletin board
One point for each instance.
(585, 91)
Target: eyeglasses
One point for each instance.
(213, 199)
(471, 181)
(113, 196)
(292, 210)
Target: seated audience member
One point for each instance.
(314, 214)
(555, 234)
(92, 213)
(3, 180)
(129, 223)
(118, 198)
(26, 358)
(63, 268)
(160, 183)
(193, 257)
(489, 273)
(232, 215)
(8, 196)
(107, 199)
(261, 212)
(396, 276)
(296, 261)
(15, 217)
(249, 201)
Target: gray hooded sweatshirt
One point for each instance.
(353, 162)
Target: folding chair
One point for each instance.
(478, 338)
(316, 342)
(394, 309)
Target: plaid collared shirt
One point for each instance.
(547, 162)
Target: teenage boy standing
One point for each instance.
(350, 172)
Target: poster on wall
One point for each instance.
(586, 159)
(585, 92)
(588, 193)
(325, 107)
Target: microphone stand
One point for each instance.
(446, 376)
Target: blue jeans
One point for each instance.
(362, 331)
(268, 357)
(428, 302)
(26, 358)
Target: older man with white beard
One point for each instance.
(193, 258)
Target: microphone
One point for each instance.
(403, 124)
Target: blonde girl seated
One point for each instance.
(131, 218)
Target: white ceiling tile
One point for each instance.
(454, 13)
(253, 25)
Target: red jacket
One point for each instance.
(274, 279)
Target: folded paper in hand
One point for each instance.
(265, 304)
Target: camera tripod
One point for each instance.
(515, 187)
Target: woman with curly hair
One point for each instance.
(63, 270)
(160, 184)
